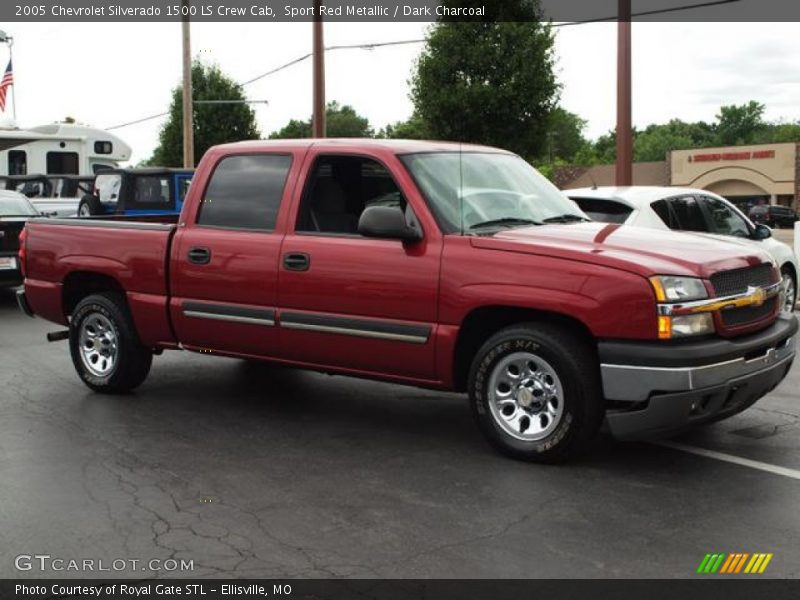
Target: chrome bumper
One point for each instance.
(637, 383)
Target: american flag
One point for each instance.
(8, 81)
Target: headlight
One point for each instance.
(675, 290)
(678, 289)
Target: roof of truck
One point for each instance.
(395, 146)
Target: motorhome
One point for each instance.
(60, 149)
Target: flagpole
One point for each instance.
(14, 83)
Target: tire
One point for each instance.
(90, 206)
(105, 347)
(566, 376)
(790, 283)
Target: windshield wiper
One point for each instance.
(505, 221)
(566, 218)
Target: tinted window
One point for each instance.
(17, 162)
(605, 211)
(103, 147)
(62, 163)
(724, 220)
(687, 214)
(152, 192)
(245, 192)
(661, 208)
(339, 190)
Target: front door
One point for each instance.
(225, 264)
(363, 304)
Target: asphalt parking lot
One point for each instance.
(254, 471)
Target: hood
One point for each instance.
(638, 250)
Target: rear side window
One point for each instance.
(605, 211)
(687, 214)
(245, 192)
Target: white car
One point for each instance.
(690, 210)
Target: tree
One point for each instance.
(212, 124)
(740, 124)
(655, 141)
(564, 135)
(412, 129)
(489, 82)
(342, 121)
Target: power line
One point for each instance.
(372, 46)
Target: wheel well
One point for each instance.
(79, 285)
(790, 267)
(479, 325)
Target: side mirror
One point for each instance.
(762, 232)
(387, 222)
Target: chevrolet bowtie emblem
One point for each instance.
(757, 295)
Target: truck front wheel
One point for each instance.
(535, 392)
(105, 347)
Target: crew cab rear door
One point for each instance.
(363, 304)
(224, 266)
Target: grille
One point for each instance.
(727, 283)
(749, 314)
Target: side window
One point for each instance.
(340, 188)
(687, 214)
(661, 208)
(17, 162)
(245, 192)
(723, 220)
(62, 163)
(151, 192)
(107, 188)
(183, 188)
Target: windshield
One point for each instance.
(473, 191)
(16, 207)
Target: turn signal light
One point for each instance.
(664, 328)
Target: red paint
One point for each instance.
(592, 273)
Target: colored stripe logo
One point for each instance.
(734, 564)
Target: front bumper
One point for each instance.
(660, 388)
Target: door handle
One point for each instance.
(199, 256)
(296, 261)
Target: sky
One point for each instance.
(105, 74)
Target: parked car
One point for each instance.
(689, 210)
(15, 210)
(143, 191)
(773, 215)
(429, 264)
(52, 195)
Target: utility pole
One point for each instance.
(318, 119)
(188, 114)
(624, 121)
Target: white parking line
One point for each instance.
(736, 460)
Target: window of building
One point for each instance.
(245, 192)
(62, 163)
(17, 162)
(338, 191)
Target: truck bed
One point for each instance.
(132, 251)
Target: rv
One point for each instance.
(60, 149)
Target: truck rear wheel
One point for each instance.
(535, 392)
(105, 347)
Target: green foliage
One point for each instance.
(341, 122)
(735, 125)
(740, 124)
(412, 129)
(212, 123)
(564, 135)
(489, 82)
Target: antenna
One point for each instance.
(461, 185)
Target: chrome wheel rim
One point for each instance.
(525, 396)
(98, 345)
(788, 293)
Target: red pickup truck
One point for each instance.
(432, 264)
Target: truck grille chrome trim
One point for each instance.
(754, 296)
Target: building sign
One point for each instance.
(724, 156)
